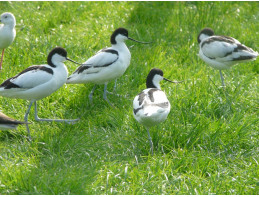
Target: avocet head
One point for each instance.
(8, 18)
(154, 77)
(58, 55)
(205, 33)
(121, 34)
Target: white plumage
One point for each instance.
(37, 82)
(151, 110)
(151, 106)
(107, 65)
(222, 52)
(7, 32)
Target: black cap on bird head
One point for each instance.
(118, 31)
(206, 31)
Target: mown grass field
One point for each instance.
(208, 144)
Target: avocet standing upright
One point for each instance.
(108, 64)
(7, 123)
(151, 106)
(7, 32)
(38, 81)
(222, 52)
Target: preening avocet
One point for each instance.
(7, 123)
(7, 32)
(222, 52)
(37, 82)
(151, 106)
(108, 64)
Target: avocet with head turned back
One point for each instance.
(108, 64)
(7, 32)
(7, 123)
(222, 52)
(37, 82)
(151, 106)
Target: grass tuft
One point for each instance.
(208, 144)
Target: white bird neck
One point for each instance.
(119, 45)
(56, 60)
(57, 64)
(203, 37)
(10, 25)
(154, 81)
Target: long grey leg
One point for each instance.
(105, 94)
(91, 94)
(114, 90)
(26, 119)
(51, 120)
(115, 85)
(150, 141)
(222, 78)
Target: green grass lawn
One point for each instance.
(208, 144)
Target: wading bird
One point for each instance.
(38, 81)
(222, 52)
(108, 64)
(7, 32)
(151, 106)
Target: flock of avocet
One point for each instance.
(150, 107)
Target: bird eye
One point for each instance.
(5, 17)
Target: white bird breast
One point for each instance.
(102, 67)
(150, 111)
(7, 36)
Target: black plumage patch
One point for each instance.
(212, 58)
(240, 58)
(81, 69)
(46, 69)
(219, 39)
(241, 47)
(206, 31)
(136, 110)
(31, 68)
(8, 84)
(162, 105)
(151, 93)
(141, 97)
(7, 120)
(118, 31)
(110, 51)
(57, 50)
(150, 76)
(87, 66)
(238, 48)
(227, 54)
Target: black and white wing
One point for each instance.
(29, 78)
(94, 64)
(150, 101)
(223, 48)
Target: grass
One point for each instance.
(208, 144)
